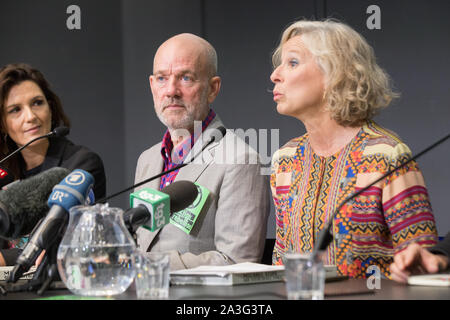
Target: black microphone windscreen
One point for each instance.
(61, 131)
(182, 194)
(25, 202)
(222, 130)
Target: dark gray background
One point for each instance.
(101, 71)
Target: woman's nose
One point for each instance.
(29, 114)
(275, 76)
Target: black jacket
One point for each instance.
(63, 153)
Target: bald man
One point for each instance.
(230, 226)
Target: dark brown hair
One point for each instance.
(10, 76)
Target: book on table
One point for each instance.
(434, 280)
(240, 273)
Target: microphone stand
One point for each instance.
(131, 229)
(45, 273)
(60, 131)
(26, 145)
(326, 235)
(50, 270)
(141, 183)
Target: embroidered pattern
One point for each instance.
(368, 230)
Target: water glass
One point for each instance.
(305, 277)
(152, 274)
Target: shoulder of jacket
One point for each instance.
(384, 142)
(288, 149)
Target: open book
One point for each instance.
(240, 273)
(435, 280)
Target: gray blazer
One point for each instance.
(232, 228)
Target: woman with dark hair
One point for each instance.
(29, 109)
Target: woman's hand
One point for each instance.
(39, 259)
(2, 261)
(416, 260)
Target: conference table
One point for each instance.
(347, 289)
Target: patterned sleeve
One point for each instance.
(279, 189)
(276, 255)
(406, 205)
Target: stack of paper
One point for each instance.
(240, 273)
(435, 280)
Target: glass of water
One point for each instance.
(305, 277)
(152, 274)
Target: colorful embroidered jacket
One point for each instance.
(380, 222)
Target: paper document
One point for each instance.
(240, 273)
(435, 280)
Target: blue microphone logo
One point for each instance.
(58, 196)
(75, 178)
(72, 190)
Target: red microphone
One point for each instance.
(5, 177)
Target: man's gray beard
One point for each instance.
(186, 122)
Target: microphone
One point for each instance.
(221, 130)
(5, 177)
(326, 235)
(57, 132)
(71, 191)
(24, 203)
(152, 208)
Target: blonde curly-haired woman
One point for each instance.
(326, 76)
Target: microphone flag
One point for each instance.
(158, 205)
(186, 218)
(72, 190)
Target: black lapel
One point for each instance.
(55, 153)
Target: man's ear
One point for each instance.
(150, 81)
(214, 88)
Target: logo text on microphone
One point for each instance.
(58, 196)
(149, 196)
(75, 178)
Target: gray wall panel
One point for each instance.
(412, 46)
(245, 33)
(146, 25)
(83, 66)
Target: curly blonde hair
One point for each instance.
(356, 87)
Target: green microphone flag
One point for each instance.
(157, 203)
